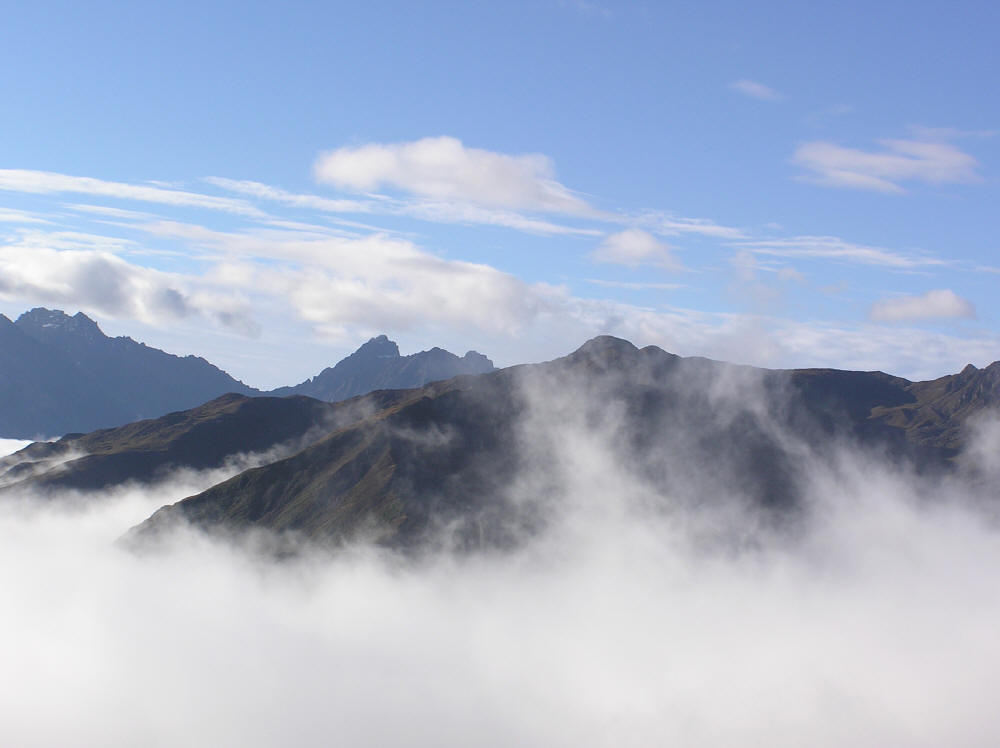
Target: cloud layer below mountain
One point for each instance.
(631, 619)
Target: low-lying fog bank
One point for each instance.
(621, 625)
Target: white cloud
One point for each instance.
(833, 248)
(9, 215)
(634, 247)
(267, 192)
(869, 621)
(635, 286)
(109, 212)
(755, 90)
(101, 282)
(703, 226)
(442, 168)
(44, 182)
(939, 304)
(375, 283)
(931, 162)
(444, 212)
(436, 211)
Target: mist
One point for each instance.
(634, 618)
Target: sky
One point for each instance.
(269, 185)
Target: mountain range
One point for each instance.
(61, 374)
(482, 460)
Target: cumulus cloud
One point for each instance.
(938, 304)
(634, 247)
(368, 284)
(885, 170)
(102, 282)
(755, 90)
(393, 285)
(443, 168)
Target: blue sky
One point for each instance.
(267, 185)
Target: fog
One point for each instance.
(629, 621)
(8, 446)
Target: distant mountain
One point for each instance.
(62, 374)
(377, 365)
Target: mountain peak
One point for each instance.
(41, 322)
(478, 360)
(378, 347)
(604, 345)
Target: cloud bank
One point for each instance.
(632, 618)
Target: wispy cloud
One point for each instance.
(939, 304)
(672, 225)
(886, 169)
(436, 211)
(466, 213)
(44, 182)
(833, 248)
(755, 90)
(267, 192)
(104, 210)
(8, 215)
(635, 286)
(588, 8)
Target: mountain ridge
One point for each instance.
(61, 374)
(400, 465)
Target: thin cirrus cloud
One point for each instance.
(755, 90)
(45, 182)
(634, 247)
(886, 169)
(672, 225)
(833, 248)
(443, 168)
(938, 304)
(435, 211)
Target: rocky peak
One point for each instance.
(479, 362)
(378, 347)
(43, 323)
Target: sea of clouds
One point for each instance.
(874, 624)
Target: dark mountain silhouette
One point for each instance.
(61, 374)
(377, 365)
(199, 438)
(480, 460)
